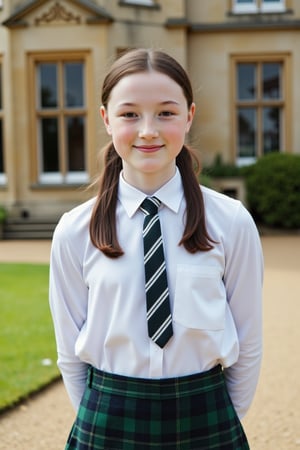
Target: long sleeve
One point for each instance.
(243, 280)
(68, 300)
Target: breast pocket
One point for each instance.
(200, 298)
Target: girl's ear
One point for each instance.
(104, 116)
(191, 114)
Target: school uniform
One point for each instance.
(129, 393)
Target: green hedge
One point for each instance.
(273, 190)
(219, 169)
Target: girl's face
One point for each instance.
(147, 117)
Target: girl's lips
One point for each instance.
(148, 148)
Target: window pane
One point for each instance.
(272, 80)
(272, 5)
(49, 138)
(271, 130)
(246, 77)
(73, 84)
(246, 132)
(245, 6)
(75, 143)
(1, 149)
(48, 86)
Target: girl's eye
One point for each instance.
(129, 115)
(166, 114)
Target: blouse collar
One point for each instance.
(170, 194)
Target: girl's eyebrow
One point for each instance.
(165, 102)
(169, 102)
(126, 104)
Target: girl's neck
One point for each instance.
(148, 183)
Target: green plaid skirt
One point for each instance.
(186, 413)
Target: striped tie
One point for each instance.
(159, 317)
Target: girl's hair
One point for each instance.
(103, 221)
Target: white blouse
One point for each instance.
(99, 308)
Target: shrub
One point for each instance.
(205, 180)
(3, 214)
(221, 169)
(273, 190)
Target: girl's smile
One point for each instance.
(148, 148)
(147, 117)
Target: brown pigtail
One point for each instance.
(195, 237)
(103, 221)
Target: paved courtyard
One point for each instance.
(43, 422)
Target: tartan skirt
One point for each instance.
(191, 412)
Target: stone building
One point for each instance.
(242, 56)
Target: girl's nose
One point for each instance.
(148, 130)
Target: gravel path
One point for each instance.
(43, 422)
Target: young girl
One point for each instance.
(187, 385)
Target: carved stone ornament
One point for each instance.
(57, 13)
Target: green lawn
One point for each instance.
(27, 345)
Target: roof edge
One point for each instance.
(18, 18)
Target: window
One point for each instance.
(259, 108)
(256, 6)
(2, 170)
(60, 120)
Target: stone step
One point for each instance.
(35, 228)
